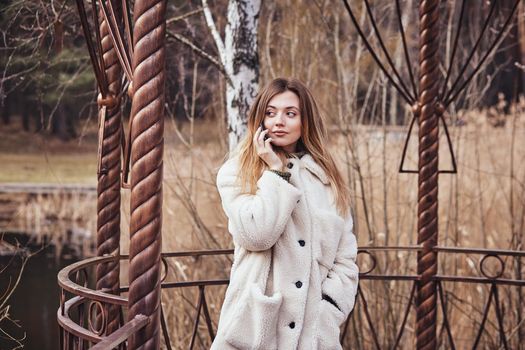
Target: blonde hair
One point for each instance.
(313, 140)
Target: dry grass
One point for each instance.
(50, 168)
(35, 158)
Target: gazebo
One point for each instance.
(91, 315)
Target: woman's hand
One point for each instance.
(265, 151)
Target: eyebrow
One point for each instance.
(289, 107)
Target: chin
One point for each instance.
(280, 144)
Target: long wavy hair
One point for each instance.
(313, 140)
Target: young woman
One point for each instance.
(294, 278)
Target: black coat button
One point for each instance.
(298, 284)
(302, 243)
(292, 325)
(289, 165)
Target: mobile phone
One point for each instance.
(263, 128)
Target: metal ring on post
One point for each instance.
(416, 109)
(374, 262)
(100, 317)
(110, 101)
(482, 267)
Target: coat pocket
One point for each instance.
(330, 320)
(254, 322)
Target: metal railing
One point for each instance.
(83, 311)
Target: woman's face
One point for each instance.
(283, 120)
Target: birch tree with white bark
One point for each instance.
(238, 54)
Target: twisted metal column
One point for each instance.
(427, 225)
(108, 189)
(147, 144)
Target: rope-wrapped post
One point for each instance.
(427, 111)
(147, 143)
(108, 188)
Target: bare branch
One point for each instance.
(213, 29)
(201, 53)
(186, 15)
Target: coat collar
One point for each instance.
(309, 163)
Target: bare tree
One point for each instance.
(238, 53)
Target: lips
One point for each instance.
(280, 133)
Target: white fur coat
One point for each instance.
(314, 252)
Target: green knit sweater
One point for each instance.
(286, 174)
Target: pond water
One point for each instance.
(35, 301)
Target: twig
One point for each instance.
(213, 29)
(201, 53)
(186, 15)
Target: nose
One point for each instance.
(279, 120)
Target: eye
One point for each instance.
(291, 114)
(270, 113)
